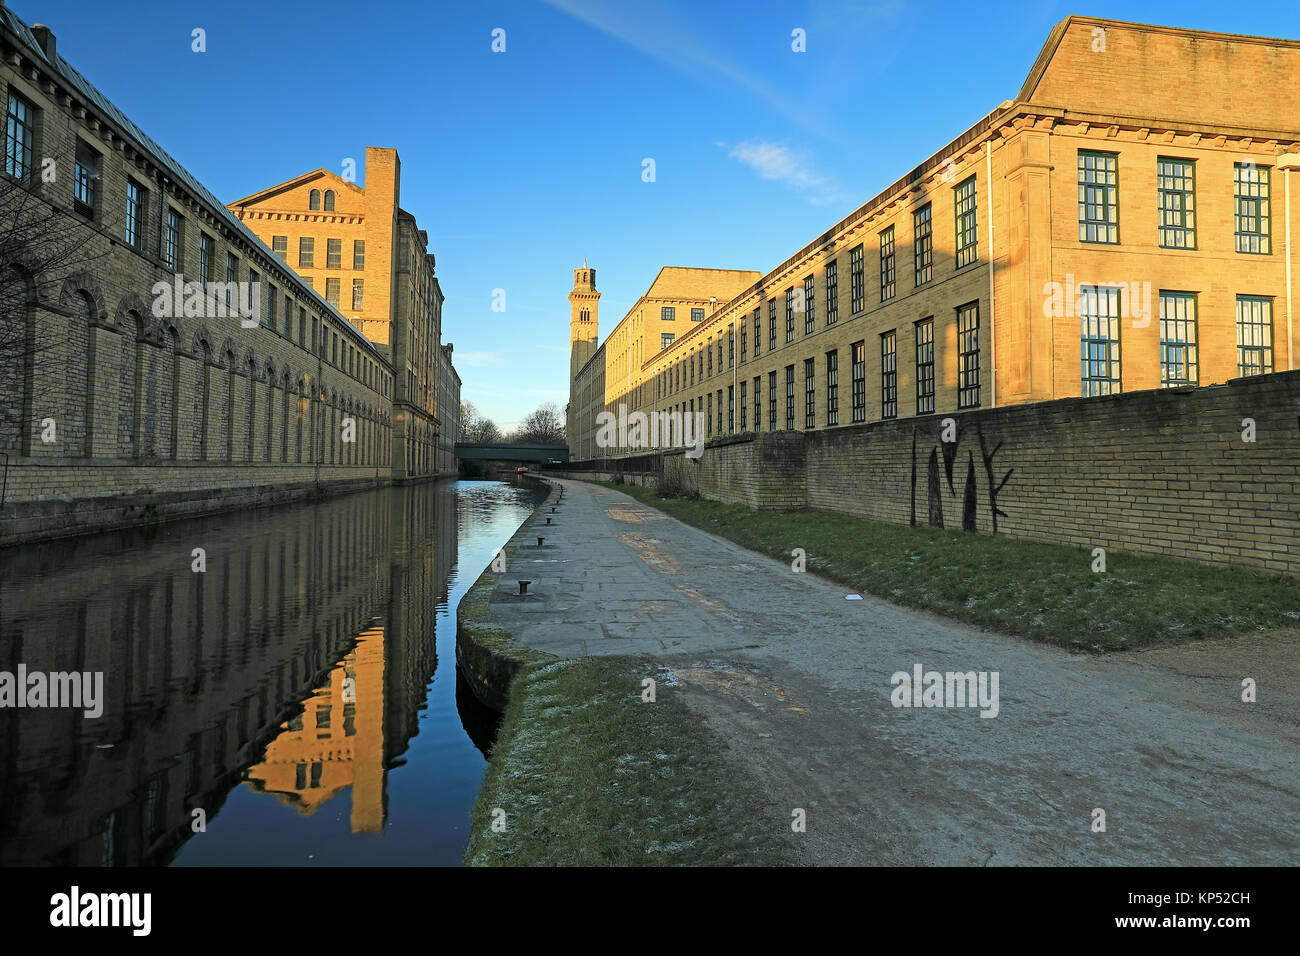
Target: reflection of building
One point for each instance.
(369, 259)
(207, 674)
(336, 742)
(1122, 225)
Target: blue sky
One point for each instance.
(519, 164)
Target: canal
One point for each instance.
(279, 685)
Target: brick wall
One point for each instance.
(1161, 472)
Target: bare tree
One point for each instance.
(544, 426)
(40, 245)
(475, 427)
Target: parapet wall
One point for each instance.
(1208, 474)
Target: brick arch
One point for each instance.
(84, 284)
(228, 353)
(249, 361)
(201, 345)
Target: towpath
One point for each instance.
(796, 679)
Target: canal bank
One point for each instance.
(795, 684)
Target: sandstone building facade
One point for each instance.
(1123, 224)
(366, 254)
(676, 304)
(120, 402)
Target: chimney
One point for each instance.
(45, 38)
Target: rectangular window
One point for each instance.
(333, 253)
(967, 222)
(1254, 335)
(358, 294)
(758, 402)
(206, 262)
(789, 314)
(172, 239)
(1178, 361)
(665, 340)
(709, 349)
(832, 388)
(358, 253)
(888, 375)
(1176, 201)
(280, 246)
(744, 406)
(731, 349)
(1253, 216)
(719, 411)
(1098, 196)
(134, 213)
(809, 305)
(332, 292)
(887, 278)
(771, 324)
(809, 393)
(697, 315)
(922, 246)
(232, 276)
(731, 409)
(255, 289)
(270, 307)
(968, 355)
(924, 366)
(668, 313)
(1099, 319)
(758, 332)
(832, 293)
(19, 138)
(859, 384)
(857, 289)
(771, 401)
(709, 428)
(306, 253)
(744, 341)
(789, 397)
(302, 326)
(85, 181)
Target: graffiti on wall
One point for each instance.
(945, 447)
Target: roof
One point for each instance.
(68, 73)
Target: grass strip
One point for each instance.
(590, 775)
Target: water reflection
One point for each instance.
(297, 668)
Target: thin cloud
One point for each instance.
(655, 30)
(479, 359)
(777, 162)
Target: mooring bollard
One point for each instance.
(539, 541)
(523, 586)
(548, 520)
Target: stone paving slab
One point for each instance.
(797, 680)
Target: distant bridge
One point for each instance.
(500, 451)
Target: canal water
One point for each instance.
(279, 685)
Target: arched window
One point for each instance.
(329, 200)
(313, 200)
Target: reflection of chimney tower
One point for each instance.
(584, 304)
